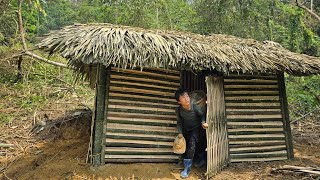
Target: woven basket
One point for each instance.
(199, 98)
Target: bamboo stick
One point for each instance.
(173, 84)
(130, 71)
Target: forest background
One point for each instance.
(30, 85)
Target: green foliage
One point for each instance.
(164, 14)
(1, 38)
(277, 20)
(42, 85)
(303, 94)
(274, 20)
(59, 13)
(33, 14)
(8, 21)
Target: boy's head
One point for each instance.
(182, 97)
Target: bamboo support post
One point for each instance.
(285, 115)
(98, 130)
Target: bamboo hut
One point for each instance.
(136, 71)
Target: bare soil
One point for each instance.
(59, 152)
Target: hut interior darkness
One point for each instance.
(136, 71)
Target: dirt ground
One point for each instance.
(59, 152)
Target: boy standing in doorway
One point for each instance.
(190, 123)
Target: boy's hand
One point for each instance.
(205, 125)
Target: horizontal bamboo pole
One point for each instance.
(129, 101)
(142, 120)
(138, 150)
(279, 153)
(252, 110)
(253, 113)
(249, 76)
(142, 128)
(250, 81)
(162, 115)
(138, 142)
(258, 159)
(254, 116)
(139, 135)
(255, 130)
(142, 156)
(141, 85)
(141, 115)
(252, 98)
(140, 160)
(253, 104)
(141, 108)
(130, 71)
(260, 148)
(157, 99)
(145, 79)
(230, 110)
(255, 124)
(142, 91)
(255, 136)
(252, 86)
(259, 142)
(255, 92)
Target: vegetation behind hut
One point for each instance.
(280, 21)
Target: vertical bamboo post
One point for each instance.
(103, 140)
(98, 128)
(285, 114)
(217, 137)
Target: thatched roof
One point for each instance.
(129, 47)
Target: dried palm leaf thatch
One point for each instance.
(129, 47)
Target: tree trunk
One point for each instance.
(20, 23)
(19, 74)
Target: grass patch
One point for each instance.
(41, 86)
(5, 118)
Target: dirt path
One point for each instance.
(62, 155)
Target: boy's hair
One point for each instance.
(179, 93)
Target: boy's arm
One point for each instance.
(202, 116)
(179, 121)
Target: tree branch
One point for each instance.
(37, 57)
(25, 49)
(305, 115)
(45, 60)
(308, 10)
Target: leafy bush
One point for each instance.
(303, 94)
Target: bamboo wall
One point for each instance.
(141, 120)
(255, 118)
